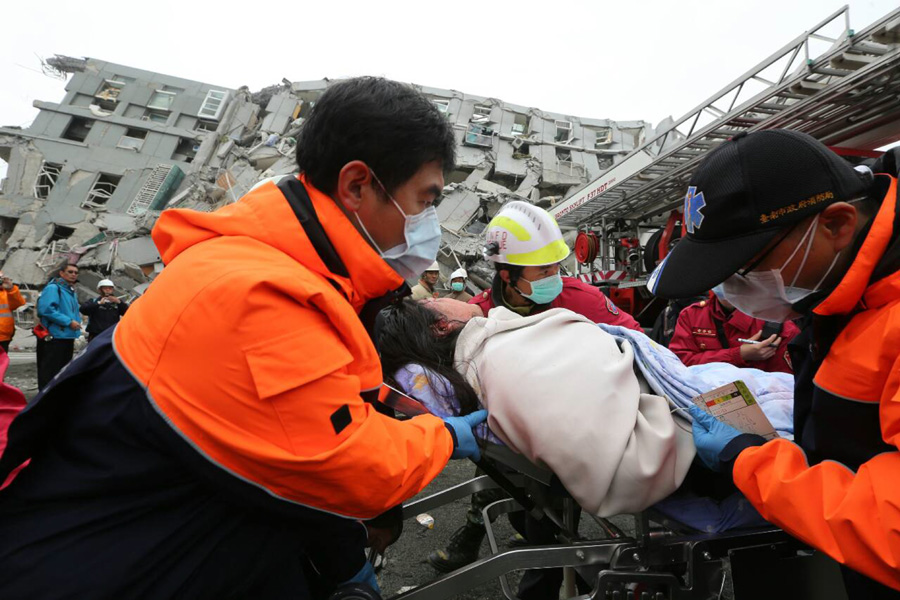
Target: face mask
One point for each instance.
(719, 291)
(544, 291)
(457, 286)
(764, 295)
(423, 240)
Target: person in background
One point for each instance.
(58, 312)
(458, 286)
(10, 299)
(711, 331)
(104, 311)
(425, 288)
(526, 246)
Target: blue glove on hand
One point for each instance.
(366, 575)
(710, 437)
(464, 443)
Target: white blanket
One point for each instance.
(615, 448)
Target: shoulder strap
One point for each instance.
(720, 333)
(298, 199)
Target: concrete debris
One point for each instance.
(88, 179)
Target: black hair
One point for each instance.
(515, 271)
(390, 126)
(408, 335)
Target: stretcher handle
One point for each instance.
(522, 497)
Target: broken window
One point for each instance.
(157, 189)
(102, 190)
(133, 139)
(443, 106)
(206, 126)
(186, 150)
(107, 97)
(520, 124)
(520, 149)
(604, 137)
(161, 100)
(78, 129)
(566, 165)
(634, 135)
(46, 179)
(563, 131)
(478, 135)
(61, 233)
(213, 104)
(482, 113)
(157, 116)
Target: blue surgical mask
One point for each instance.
(457, 286)
(423, 240)
(544, 291)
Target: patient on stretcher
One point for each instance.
(595, 406)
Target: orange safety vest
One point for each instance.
(854, 517)
(253, 351)
(9, 301)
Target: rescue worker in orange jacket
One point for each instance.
(711, 331)
(217, 442)
(10, 299)
(792, 230)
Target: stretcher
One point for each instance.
(660, 559)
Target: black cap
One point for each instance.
(741, 196)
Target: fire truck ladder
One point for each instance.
(848, 93)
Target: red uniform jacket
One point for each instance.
(696, 341)
(576, 296)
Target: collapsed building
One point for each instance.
(88, 178)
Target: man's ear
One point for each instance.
(504, 276)
(840, 222)
(352, 182)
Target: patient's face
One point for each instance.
(455, 313)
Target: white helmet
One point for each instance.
(105, 283)
(526, 235)
(434, 267)
(458, 273)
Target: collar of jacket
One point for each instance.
(265, 215)
(63, 284)
(737, 319)
(854, 287)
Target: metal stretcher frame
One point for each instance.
(675, 563)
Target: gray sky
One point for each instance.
(623, 60)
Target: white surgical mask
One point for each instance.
(422, 233)
(764, 295)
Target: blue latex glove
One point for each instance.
(710, 437)
(465, 444)
(366, 575)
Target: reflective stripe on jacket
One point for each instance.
(850, 413)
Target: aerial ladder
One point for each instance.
(836, 84)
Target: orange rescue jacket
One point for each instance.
(9, 301)
(853, 516)
(254, 352)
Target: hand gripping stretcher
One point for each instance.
(656, 559)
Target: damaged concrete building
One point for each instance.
(89, 177)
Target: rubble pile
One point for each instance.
(89, 177)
